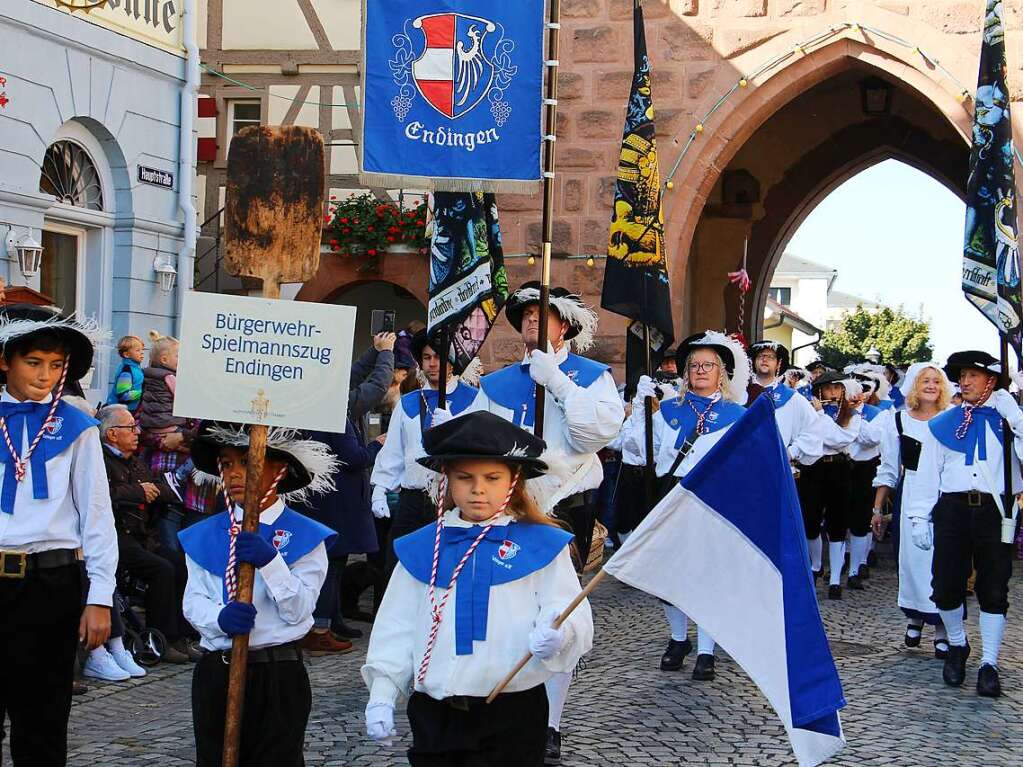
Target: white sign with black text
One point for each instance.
(263, 361)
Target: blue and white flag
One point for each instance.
(452, 94)
(733, 535)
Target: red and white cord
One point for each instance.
(21, 463)
(231, 573)
(964, 425)
(437, 610)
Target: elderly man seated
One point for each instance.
(137, 496)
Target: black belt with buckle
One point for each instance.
(17, 564)
(971, 498)
(834, 457)
(465, 702)
(276, 654)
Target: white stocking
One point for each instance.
(557, 694)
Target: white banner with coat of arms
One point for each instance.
(452, 94)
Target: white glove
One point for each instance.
(922, 534)
(543, 368)
(545, 641)
(645, 388)
(380, 723)
(380, 508)
(441, 416)
(1006, 406)
(667, 391)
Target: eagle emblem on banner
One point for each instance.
(455, 62)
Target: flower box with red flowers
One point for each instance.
(362, 225)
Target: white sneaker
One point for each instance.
(127, 663)
(101, 665)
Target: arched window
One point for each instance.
(69, 174)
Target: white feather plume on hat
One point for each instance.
(734, 388)
(572, 310)
(877, 372)
(318, 459)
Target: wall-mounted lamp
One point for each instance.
(167, 274)
(28, 250)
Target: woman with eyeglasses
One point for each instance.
(825, 485)
(715, 372)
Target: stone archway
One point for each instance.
(799, 136)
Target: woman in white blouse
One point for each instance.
(928, 393)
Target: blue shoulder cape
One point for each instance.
(507, 553)
(292, 534)
(897, 396)
(457, 401)
(21, 417)
(885, 404)
(678, 414)
(870, 412)
(780, 393)
(512, 388)
(974, 443)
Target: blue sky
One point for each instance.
(895, 235)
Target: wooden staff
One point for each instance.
(594, 582)
(550, 130)
(648, 422)
(1008, 498)
(444, 342)
(273, 219)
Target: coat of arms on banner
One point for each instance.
(455, 64)
(452, 95)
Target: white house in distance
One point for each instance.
(802, 304)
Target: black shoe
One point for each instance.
(675, 655)
(552, 756)
(816, 575)
(864, 572)
(914, 641)
(941, 649)
(988, 685)
(954, 671)
(871, 557)
(834, 592)
(703, 671)
(344, 631)
(854, 583)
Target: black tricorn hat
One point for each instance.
(483, 435)
(528, 294)
(831, 377)
(971, 360)
(19, 321)
(817, 365)
(701, 341)
(311, 464)
(774, 346)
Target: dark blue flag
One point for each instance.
(991, 272)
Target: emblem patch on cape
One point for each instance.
(281, 539)
(508, 550)
(53, 426)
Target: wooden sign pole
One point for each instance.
(273, 221)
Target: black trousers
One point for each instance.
(510, 732)
(165, 585)
(824, 497)
(969, 537)
(415, 510)
(579, 511)
(38, 643)
(630, 505)
(277, 703)
(861, 495)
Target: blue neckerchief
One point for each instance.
(68, 423)
(507, 553)
(679, 415)
(780, 393)
(292, 534)
(885, 404)
(831, 410)
(457, 401)
(806, 391)
(897, 397)
(870, 412)
(944, 426)
(512, 388)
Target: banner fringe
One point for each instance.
(463, 185)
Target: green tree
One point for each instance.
(900, 338)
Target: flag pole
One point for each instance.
(443, 340)
(550, 130)
(648, 423)
(1007, 440)
(594, 582)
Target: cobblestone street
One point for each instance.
(623, 711)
